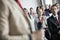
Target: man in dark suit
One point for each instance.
(54, 23)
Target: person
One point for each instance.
(32, 20)
(54, 23)
(47, 10)
(38, 14)
(27, 17)
(40, 23)
(13, 25)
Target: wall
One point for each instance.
(48, 2)
(30, 3)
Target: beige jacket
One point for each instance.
(13, 25)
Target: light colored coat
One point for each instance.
(13, 25)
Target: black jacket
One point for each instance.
(53, 27)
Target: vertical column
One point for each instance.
(43, 3)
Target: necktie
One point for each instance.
(19, 3)
(57, 21)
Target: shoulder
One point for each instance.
(50, 18)
(3, 5)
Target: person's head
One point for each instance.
(41, 7)
(54, 9)
(31, 10)
(39, 11)
(25, 11)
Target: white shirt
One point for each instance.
(32, 23)
(55, 16)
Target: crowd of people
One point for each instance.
(41, 21)
(19, 24)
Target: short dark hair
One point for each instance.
(24, 9)
(31, 8)
(53, 5)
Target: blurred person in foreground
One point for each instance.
(47, 10)
(13, 25)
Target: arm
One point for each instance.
(4, 24)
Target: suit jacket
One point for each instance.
(52, 25)
(13, 25)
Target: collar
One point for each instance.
(55, 16)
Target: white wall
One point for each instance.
(48, 2)
(30, 3)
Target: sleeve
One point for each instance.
(4, 23)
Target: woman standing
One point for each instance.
(40, 24)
